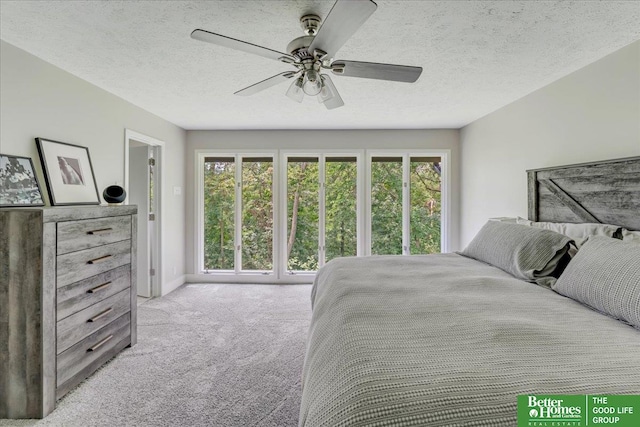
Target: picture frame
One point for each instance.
(19, 185)
(68, 173)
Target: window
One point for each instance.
(405, 204)
(341, 207)
(284, 214)
(257, 213)
(238, 213)
(386, 205)
(322, 210)
(219, 211)
(425, 197)
(302, 213)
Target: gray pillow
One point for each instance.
(605, 275)
(528, 253)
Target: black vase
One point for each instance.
(114, 194)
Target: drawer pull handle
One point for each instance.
(99, 288)
(99, 260)
(100, 344)
(98, 316)
(100, 231)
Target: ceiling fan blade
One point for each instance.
(335, 101)
(374, 70)
(343, 21)
(265, 84)
(225, 41)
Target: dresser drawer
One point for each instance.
(80, 355)
(79, 265)
(85, 293)
(89, 233)
(78, 326)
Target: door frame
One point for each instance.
(156, 285)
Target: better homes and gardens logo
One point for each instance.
(578, 410)
(553, 410)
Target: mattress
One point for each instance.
(444, 340)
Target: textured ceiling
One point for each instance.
(477, 56)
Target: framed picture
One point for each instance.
(68, 173)
(18, 182)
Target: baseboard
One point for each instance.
(172, 285)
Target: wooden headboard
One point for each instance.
(605, 192)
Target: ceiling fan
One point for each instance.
(313, 53)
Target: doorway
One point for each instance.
(143, 185)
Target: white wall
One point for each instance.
(38, 99)
(592, 114)
(321, 139)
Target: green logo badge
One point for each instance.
(538, 410)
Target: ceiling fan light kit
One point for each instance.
(312, 85)
(295, 90)
(331, 99)
(326, 92)
(314, 52)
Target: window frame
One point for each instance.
(445, 205)
(238, 156)
(279, 198)
(321, 155)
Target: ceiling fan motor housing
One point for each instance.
(298, 47)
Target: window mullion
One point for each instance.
(366, 179)
(321, 210)
(277, 214)
(238, 217)
(200, 266)
(283, 214)
(360, 204)
(406, 203)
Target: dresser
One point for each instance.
(67, 300)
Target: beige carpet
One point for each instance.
(207, 355)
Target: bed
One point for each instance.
(451, 339)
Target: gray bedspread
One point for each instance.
(443, 340)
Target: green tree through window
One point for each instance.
(425, 205)
(341, 225)
(302, 214)
(257, 213)
(219, 197)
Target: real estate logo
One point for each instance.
(553, 410)
(578, 410)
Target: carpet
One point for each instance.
(207, 355)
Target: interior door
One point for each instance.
(139, 194)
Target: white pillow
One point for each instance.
(630, 236)
(510, 219)
(579, 233)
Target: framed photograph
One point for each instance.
(18, 183)
(68, 173)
